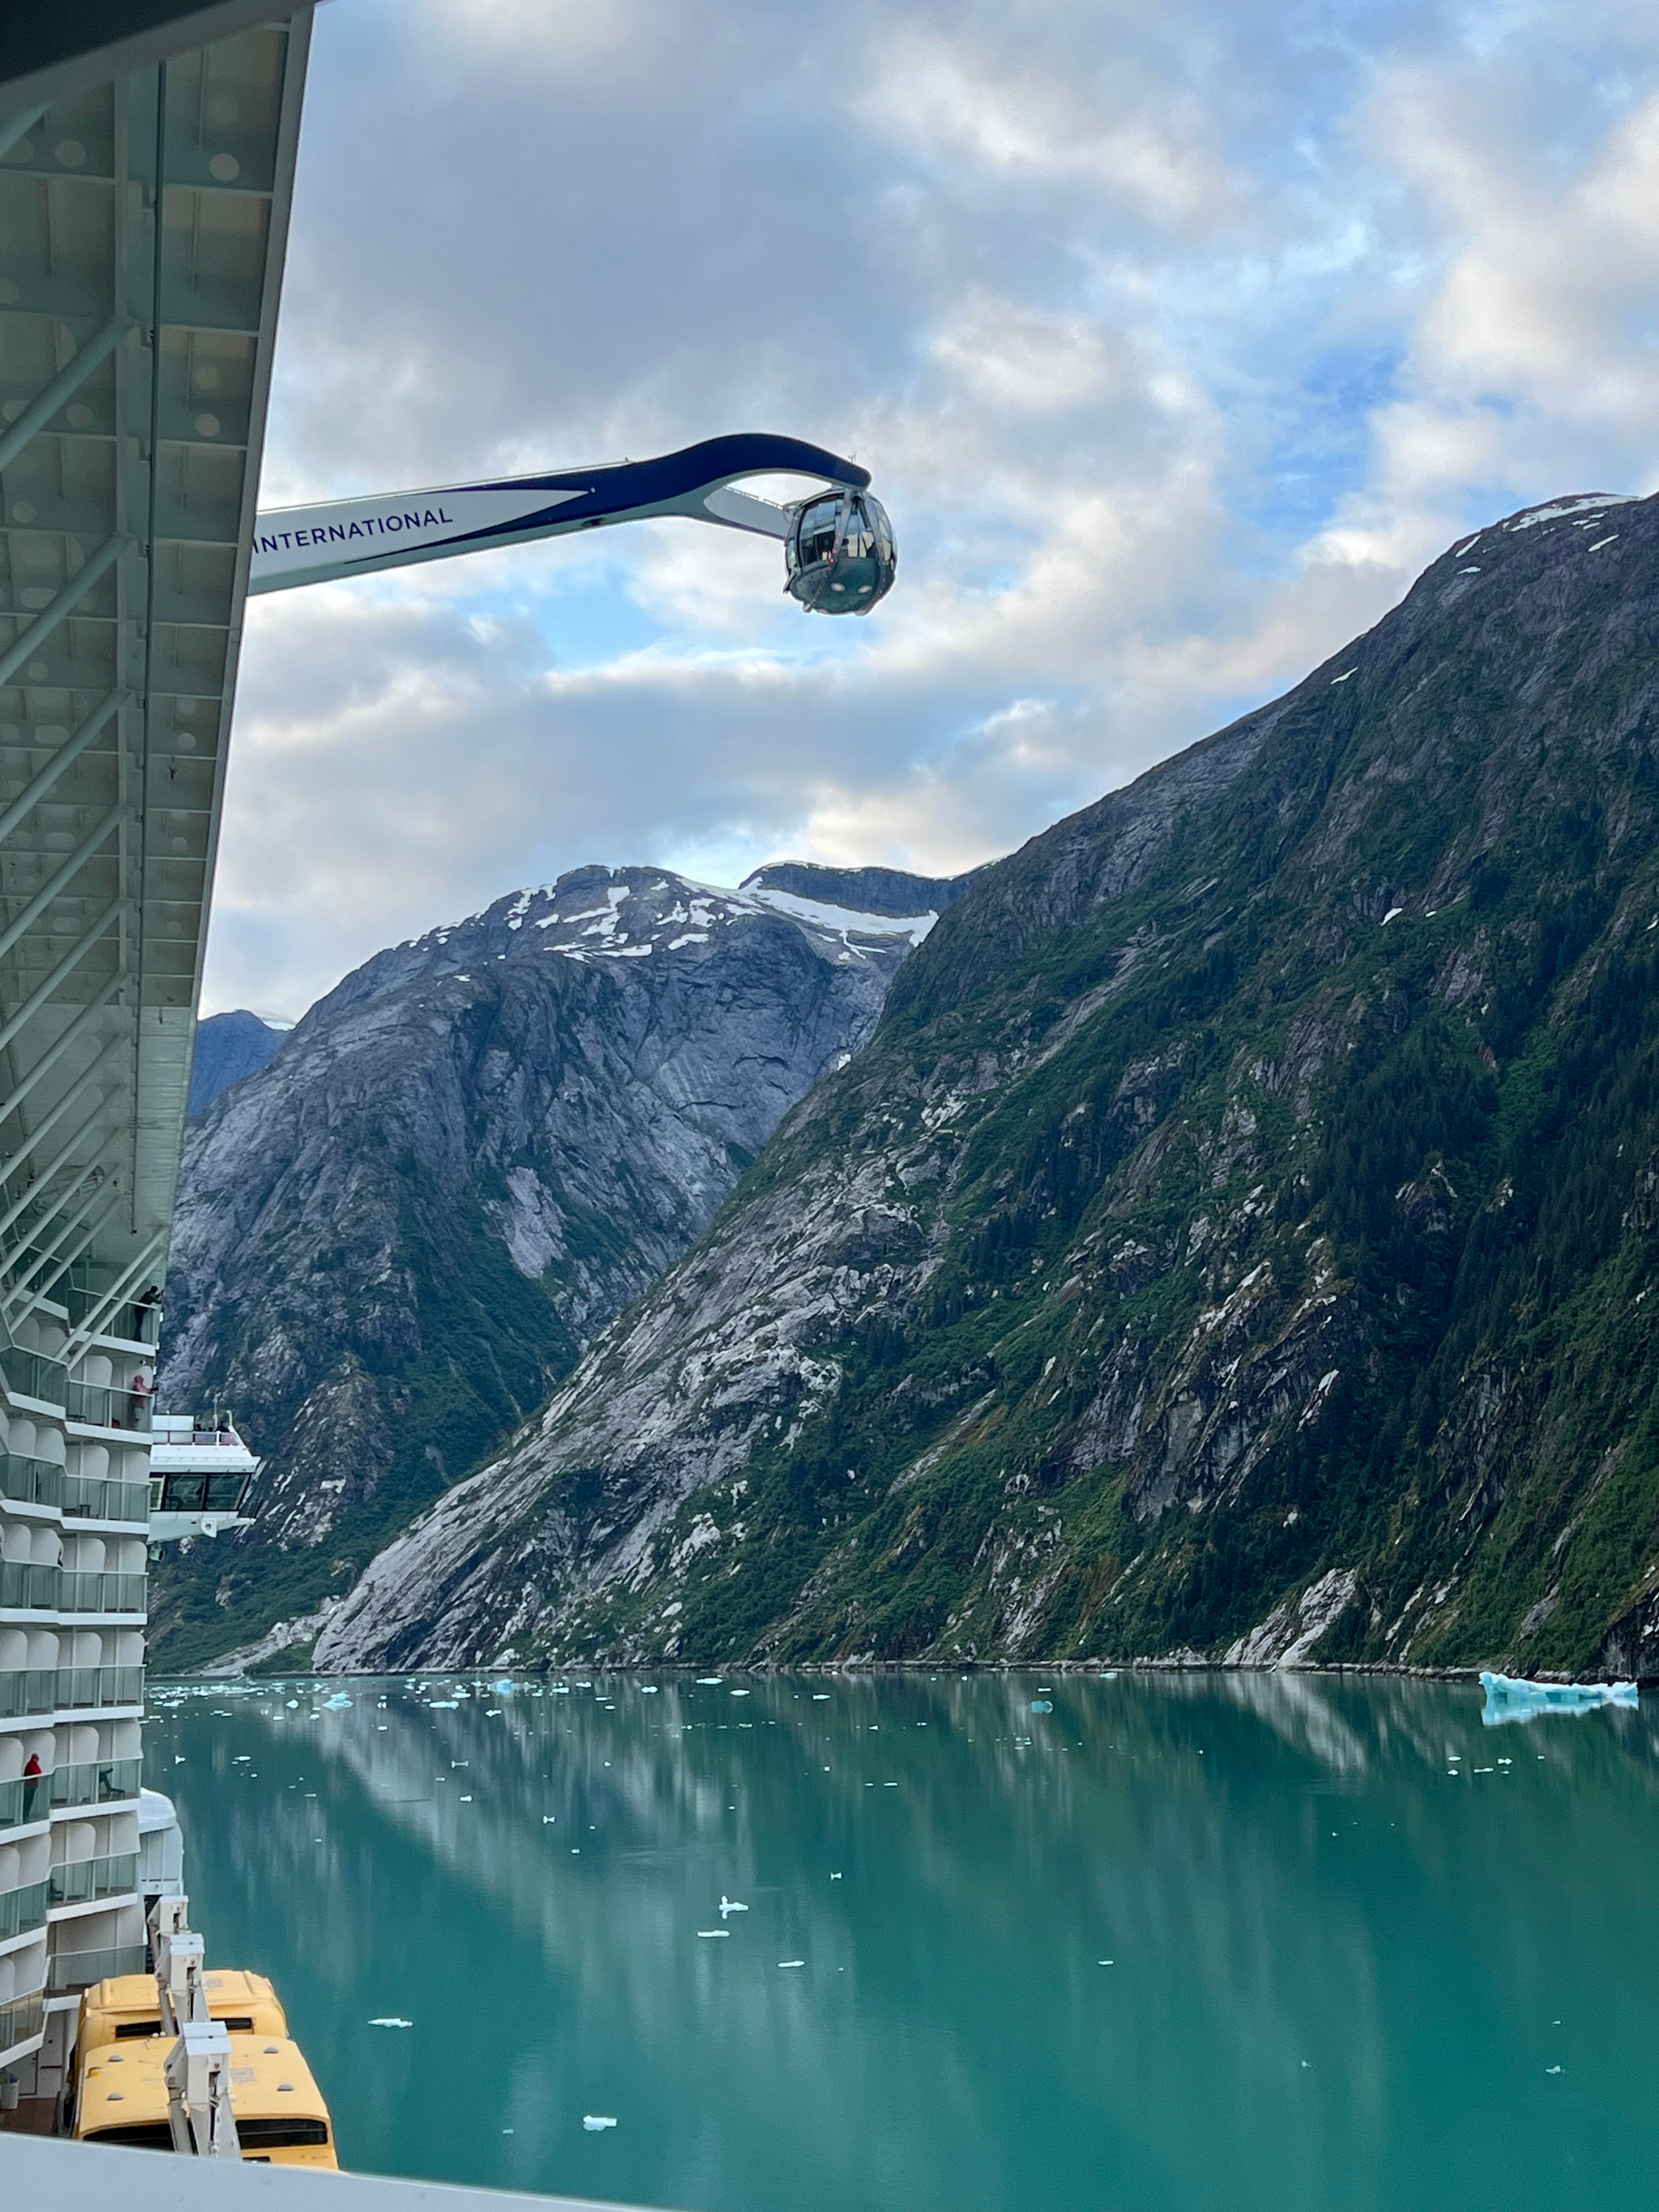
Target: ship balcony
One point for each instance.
(34, 1376)
(106, 1498)
(27, 1691)
(84, 1881)
(95, 1689)
(25, 1481)
(69, 1972)
(23, 1911)
(107, 1406)
(98, 1590)
(95, 1782)
(27, 1586)
(22, 2019)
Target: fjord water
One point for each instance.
(1364, 1951)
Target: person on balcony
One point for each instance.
(34, 1779)
(139, 1390)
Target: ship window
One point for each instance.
(137, 2135)
(130, 2028)
(280, 2135)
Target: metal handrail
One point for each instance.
(23, 1800)
(22, 1910)
(95, 1781)
(78, 1881)
(31, 1481)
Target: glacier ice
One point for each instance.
(1509, 1698)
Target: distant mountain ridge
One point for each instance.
(1237, 1244)
(394, 1238)
(227, 1048)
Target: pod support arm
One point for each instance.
(358, 536)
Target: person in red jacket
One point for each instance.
(33, 1781)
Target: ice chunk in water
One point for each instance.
(729, 1905)
(596, 2123)
(391, 2019)
(1512, 1699)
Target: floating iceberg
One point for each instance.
(730, 1904)
(596, 2123)
(1510, 1699)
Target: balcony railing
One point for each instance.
(95, 1590)
(30, 1481)
(107, 1406)
(79, 1880)
(20, 1910)
(21, 2019)
(27, 1690)
(72, 1971)
(22, 1583)
(84, 1689)
(95, 1781)
(105, 1497)
(32, 1375)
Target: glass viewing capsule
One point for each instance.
(841, 555)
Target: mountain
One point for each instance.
(393, 1239)
(1236, 1242)
(227, 1048)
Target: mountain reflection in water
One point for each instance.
(1351, 1934)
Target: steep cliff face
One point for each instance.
(391, 1241)
(1235, 1242)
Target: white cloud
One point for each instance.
(1177, 339)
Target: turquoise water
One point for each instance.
(1345, 1970)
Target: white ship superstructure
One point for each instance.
(75, 1422)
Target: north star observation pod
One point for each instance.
(839, 552)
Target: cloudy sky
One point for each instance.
(1177, 339)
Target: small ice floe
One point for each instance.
(834, 1877)
(596, 2122)
(1105, 1962)
(391, 2019)
(337, 1702)
(1511, 1698)
(729, 1905)
(444, 1705)
(549, 1819)
(1552, 2069)
(1041, 1705)
(709, 1934)
(783, 1964)
(647, 1689)
(820, 1696)
(503, 1689)
(711, 1681)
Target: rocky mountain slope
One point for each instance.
(393, 1239)
(1238, 1240)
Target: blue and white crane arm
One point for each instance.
(839, 551)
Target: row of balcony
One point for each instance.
(102, 1404)
(84, 1782)
(25, 1690)
(71, 1589)
(82, 1497)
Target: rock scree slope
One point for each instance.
(1237, 1241)
(392, 1240)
